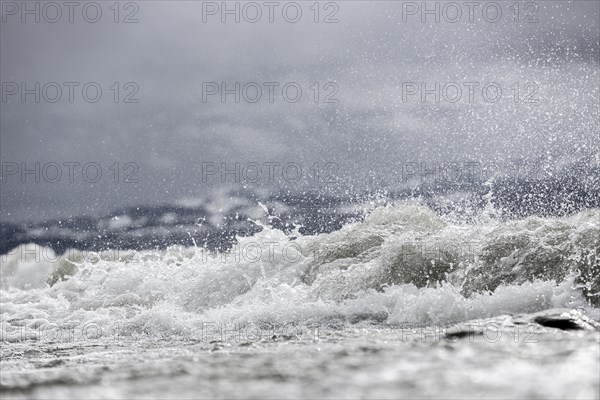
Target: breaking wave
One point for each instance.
(402, 263)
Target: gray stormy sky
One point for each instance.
(368, 133)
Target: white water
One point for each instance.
(402, 264)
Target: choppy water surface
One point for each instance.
(404, 302)
(500, 360)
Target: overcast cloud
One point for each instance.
(369, 54)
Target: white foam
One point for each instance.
(356, 273)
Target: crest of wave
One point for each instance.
(402, 263)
